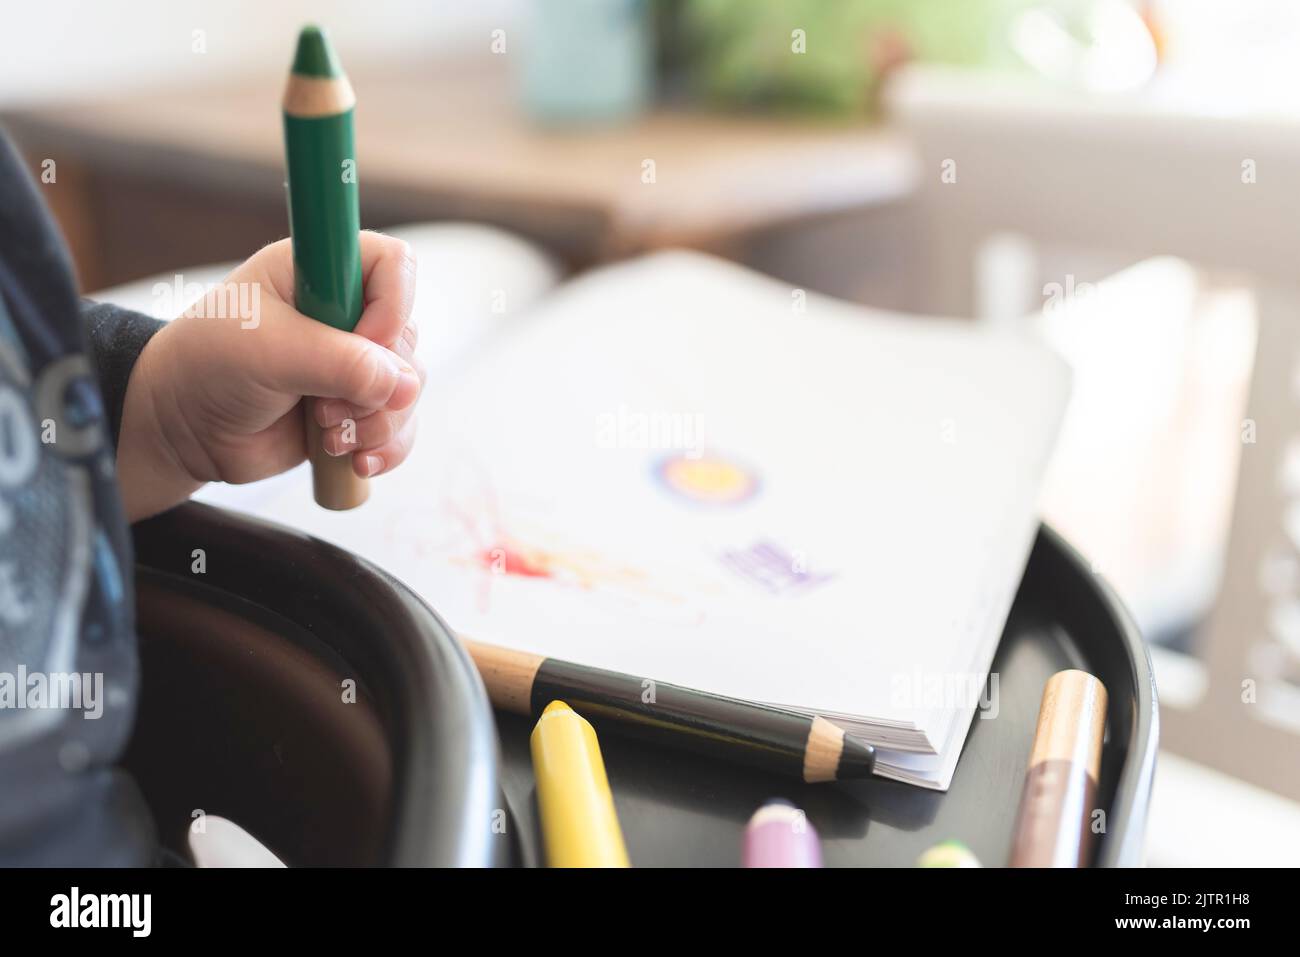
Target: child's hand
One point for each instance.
(217, 399)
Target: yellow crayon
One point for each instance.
(579, 825)
(948, 854)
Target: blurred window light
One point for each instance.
(1235, 58)
(1100, 47)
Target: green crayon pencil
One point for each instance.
(325, 223)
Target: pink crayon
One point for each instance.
(779, 835)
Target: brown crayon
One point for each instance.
(1054, 826)
(774, 739)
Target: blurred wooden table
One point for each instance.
(169, 177)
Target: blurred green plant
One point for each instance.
(746, 52)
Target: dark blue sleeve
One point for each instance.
(68, 661)
(117, 337)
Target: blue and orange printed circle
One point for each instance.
(707, 478)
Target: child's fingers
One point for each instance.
(332, 412)
(310, 358)
(389, 455)
(388, 278)
(361, 435)
(388, 268)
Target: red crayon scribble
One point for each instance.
(466, 526)
(504, 560)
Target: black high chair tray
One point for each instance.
(243, 664)
(677, 809)
(309, 697)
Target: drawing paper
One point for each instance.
(682, 470)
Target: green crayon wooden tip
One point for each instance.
(315, 56)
